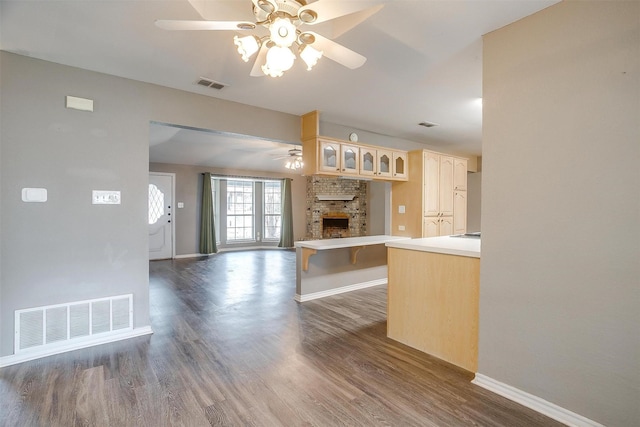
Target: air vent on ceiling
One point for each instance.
(203, 81)
(428, 124)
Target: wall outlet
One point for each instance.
(401, 227)
(180, 205)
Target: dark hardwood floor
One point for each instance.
(231, 347)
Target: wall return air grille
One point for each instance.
(55, 325)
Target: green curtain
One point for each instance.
(207, 221)
(286, 230)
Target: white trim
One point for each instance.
(244, 248)
(25, 356)
(188, 256)
(542, 406)
(340, 290)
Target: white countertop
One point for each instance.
(463, 246)
(347, 242)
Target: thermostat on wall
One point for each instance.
(34, 195)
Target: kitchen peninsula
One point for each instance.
(332, 266)
(433, 292)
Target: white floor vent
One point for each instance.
(62, 324)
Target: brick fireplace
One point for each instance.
(336, 207)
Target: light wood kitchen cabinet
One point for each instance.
(432, 207)
(460, 174)
(327, 156)
(339, 158)
(399, 165)
(322, 155)
(460, 209)
(434, 226)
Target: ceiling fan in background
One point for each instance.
(294, 159)
(278, 32)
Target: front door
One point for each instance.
(160, 218)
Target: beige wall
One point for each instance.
(560, 277)
(188, 191)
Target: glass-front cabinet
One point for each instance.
(384, 162)
(329, 156)
(400, 165)
(350, 159)
(343, 158)
(367, 161)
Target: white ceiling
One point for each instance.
(424, 63)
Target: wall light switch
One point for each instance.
(100, 197)
(401, 209)
(34, 195)
(401, 227)
(180, 205)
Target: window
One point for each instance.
(240, 217)
(272, 210)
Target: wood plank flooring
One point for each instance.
(232, 348)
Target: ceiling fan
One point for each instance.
(294, 159)
(284, 21)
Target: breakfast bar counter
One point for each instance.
(331, 266)
(433, 296)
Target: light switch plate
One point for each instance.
(401, 209)
(180, 205)
(102, 197)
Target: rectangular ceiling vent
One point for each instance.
(428, 124)
(203, 81)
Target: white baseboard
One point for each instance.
(542, 406)
(244, 248)
(37, 354)
(340, 290)
(188, 256)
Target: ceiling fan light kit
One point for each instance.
(282, 19)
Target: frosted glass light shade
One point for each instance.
(247, 46)
(310, 56)
(279, 60)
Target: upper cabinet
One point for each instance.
(460, 174)
(383, 163)
(329, 156)
(433, 201)
(338, 158)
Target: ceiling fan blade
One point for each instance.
(222, 10)
(256, 71)
(341, 25)
(331, 9)
(337, 52)
(166, 24)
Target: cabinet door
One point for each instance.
(446, 226)
(385, 160)
(329, 156)
(350, 159)
(430, 226)
(368, 161)
(460, 174)
(446, 186)
(400, 165)
(459, 212)
(431, 182)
